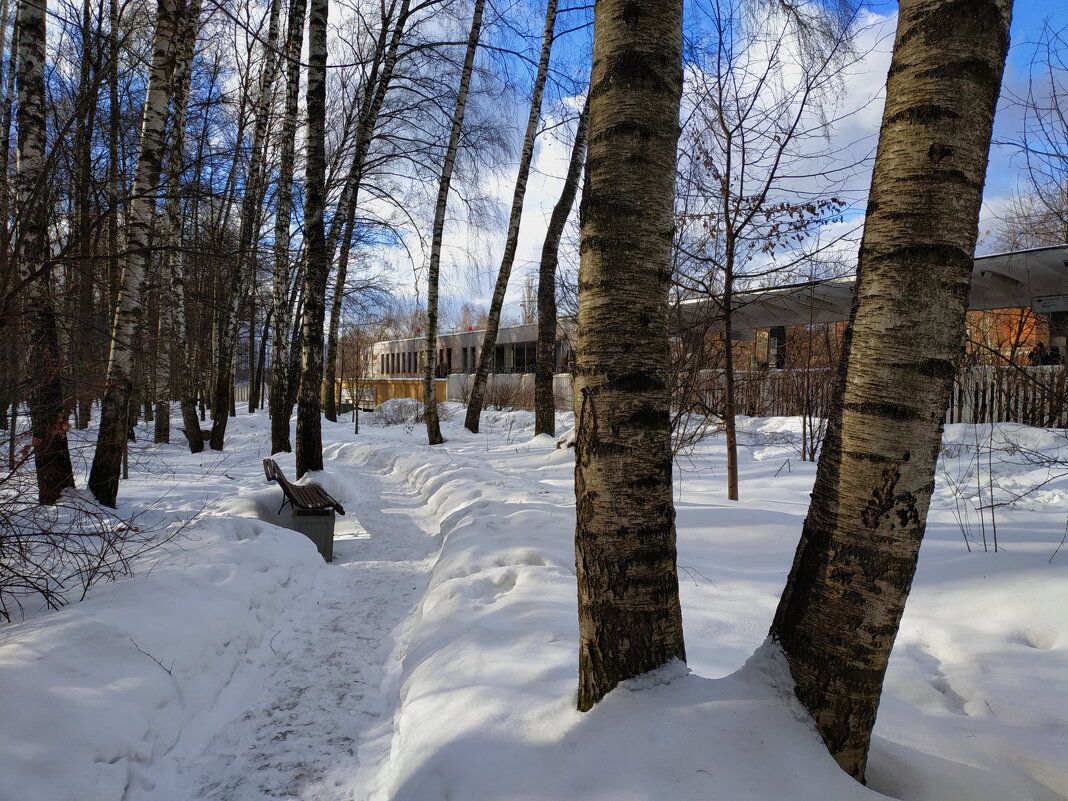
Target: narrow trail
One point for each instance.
(319, 700)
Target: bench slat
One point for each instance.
(311, 497)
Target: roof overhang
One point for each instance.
(999, 281)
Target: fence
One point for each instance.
(509, 390)
(1036, 396)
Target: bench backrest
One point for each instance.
(273, 471)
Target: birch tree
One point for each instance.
(309, 451)
(430, 401)
(48, 410)
(544, 402)
(111, 440)
(173, 267)
(378, 82)
(248, 234)
(488, 350)
(630, 618)
(839, 614)
(282, 306)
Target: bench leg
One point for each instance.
(318, 526)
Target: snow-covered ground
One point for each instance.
(436, 657)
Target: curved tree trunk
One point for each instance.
(839, 614)
(317, 266)
(630, 619)
(282, 307)
(344, 223)
(493, 320)
(544, 401)
(248, 235)
(107, 462)
(430, 400)
(48, 411)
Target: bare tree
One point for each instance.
(511, 242)
(282, 306)
(430, 402)
(114, 413)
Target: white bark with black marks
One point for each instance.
(840, 611)
(309, 450)
(430, 401)
(107, 461)
(630, 619)
(488, 350)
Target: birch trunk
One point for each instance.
(544, 401)
(9, 348)
(248, 234)
(309, 451)
(85, 340)
(377, 86)
(281, 304)
(430, 400)
(493, 322)
(843, 601)
(630, 619)
(172, 269)
(48, 412)
(107, 461)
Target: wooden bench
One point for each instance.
(309, 497)
(313, 509)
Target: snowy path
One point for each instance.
(313, 694)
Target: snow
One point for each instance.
(436, 657)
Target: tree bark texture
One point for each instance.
(345, 222)
(488, 351)
(248, 235)
(282, 306)
(430, 401)
(630, 619)
(839, 615)
(172, 267)
(48, 409)
(317, 266)
(544, 401)
(107, 461)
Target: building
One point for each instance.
(458, 352)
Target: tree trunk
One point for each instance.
(630, 619)
(430, 399)
(247, 238)
(48, 411)
(85, 340)
(172, 268)
(10, 350)
(730, 405)
(839, 614)
(317, 266)
(493, 321)
(107, 461)
(344, 223)
(280, 408)
(544, 400)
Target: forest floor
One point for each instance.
(435, 658)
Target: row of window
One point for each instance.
(519, 357)
(412, 362)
